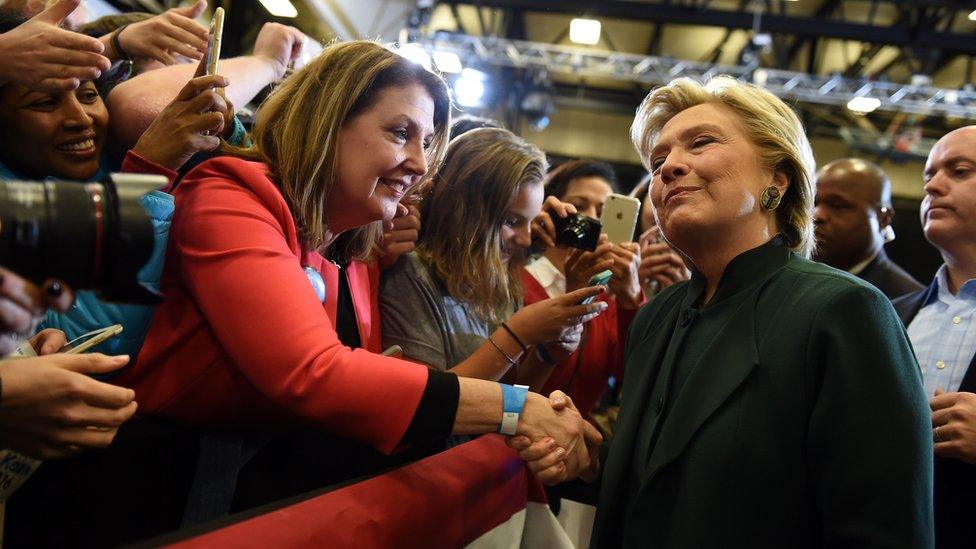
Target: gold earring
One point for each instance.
(770, 198)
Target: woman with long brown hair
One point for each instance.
(461, 291)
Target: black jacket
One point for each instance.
(887, 276)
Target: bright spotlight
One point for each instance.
(447, 62)
(469, 88)
(415, 53)
(972, 16)
(280, 8)
(584, 31)
(863, 105)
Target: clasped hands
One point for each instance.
(555, 441)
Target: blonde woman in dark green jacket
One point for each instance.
(770, 401)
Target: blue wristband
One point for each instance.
(513, 398)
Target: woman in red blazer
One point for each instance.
(258, 329)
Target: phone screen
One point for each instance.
(213, 43)
(598, 279)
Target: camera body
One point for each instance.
(577, 231)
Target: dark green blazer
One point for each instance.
(803, 424)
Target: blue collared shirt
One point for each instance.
(944, 334)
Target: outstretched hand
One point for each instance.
(42, 56)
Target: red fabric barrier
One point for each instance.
(446, 500)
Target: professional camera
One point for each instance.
(577, 231)
(93, 236)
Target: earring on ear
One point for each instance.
(770, 197)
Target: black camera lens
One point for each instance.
(94, 236)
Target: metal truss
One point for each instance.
(655, 71)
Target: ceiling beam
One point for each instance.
(897, 35)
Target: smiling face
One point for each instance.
(707, 178)
(515, 234)
(381, 156)
(948, 210)
(59, 135)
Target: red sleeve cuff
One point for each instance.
(133, 163)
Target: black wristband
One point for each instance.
(117, 46)
(515, 337)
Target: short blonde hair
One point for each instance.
(460, 238)
(773, 127)
(297, 130)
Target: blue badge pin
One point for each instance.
(317, 282)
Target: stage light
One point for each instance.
(280, 8)
(584, 31)
(863, 105)
(972, 16)
(448, 62)
(415, 53)
(469, 88)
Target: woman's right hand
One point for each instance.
(543, 228)
(52, 408)
(42, 56)
(189, 124)
(581, 265)
(547, 320)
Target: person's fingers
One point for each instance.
(402, 235)
(193, 11)
(49, 341)
(57, 12)
(578, 295)
(939, 392)
(21, 292)
(106, 395)
(553, 475)
(545, 462)
(173, 45)
(200, 142)
(200, 71)
(648, 236)
(163, 57)
(409, 221)
(518, 442)
(560, 400)
(14, 318)
(84, 437)
(943, 400)
(206, 101)
(87, 363)
(85, 415)
(201, 86)
(193, 33)
(538, 449)
(57, 85)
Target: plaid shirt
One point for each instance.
(944, 334)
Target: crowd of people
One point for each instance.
(355, 281)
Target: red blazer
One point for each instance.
(584, 374)
(240, 339)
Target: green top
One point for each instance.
(787, 412)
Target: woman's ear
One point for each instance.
(781, 181)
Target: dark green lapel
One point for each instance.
(716, 376)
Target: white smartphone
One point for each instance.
(213, 43)
(619, 218)
(95, 337)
